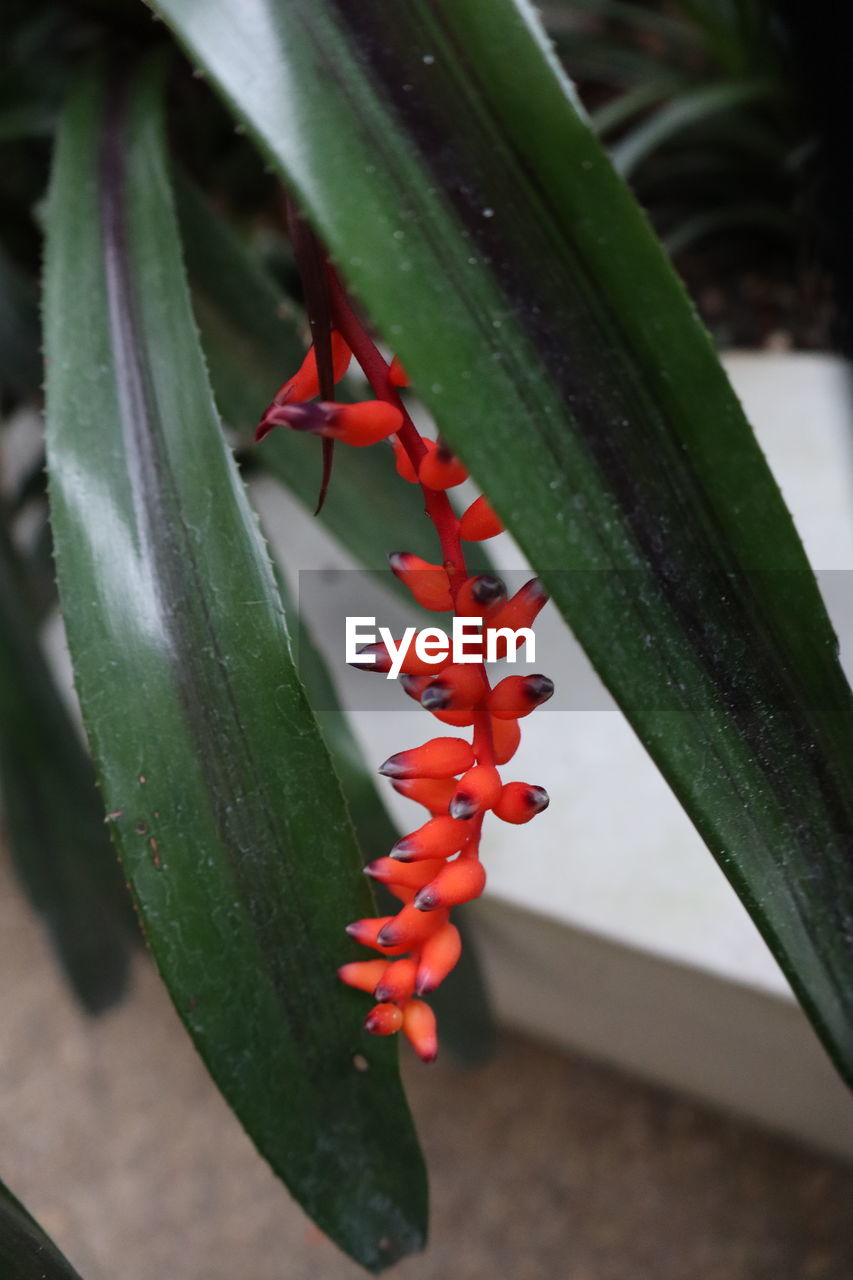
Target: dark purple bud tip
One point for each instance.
(444, 451)
(537, 799)
(394, 766)
(411, 685)
(538, 688)
(387, 937)
(402, 850)
(436, 696)
(314, 416)
(381, 663)
(397, 560)
(487, 589)
(424, 986)
(352, 930)
(462, 806)
(383, 993)
(426, 899)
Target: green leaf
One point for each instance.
(442, 157)
(52, 812)
(26, 1252)
(226, 810)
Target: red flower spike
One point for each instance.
(506, 736)
(437, 838)
(398, 981)
(438, 758)
(397, 375)
(440, 469)
(427, 582)
(479, 522)
(409, 927)
(517, 696)
(519, 802)
(478, 789)
(384, 1020)
(459, 686)
(412, 875)
(367, 931)
(434, 794)
(439, 955)
(456, 882)
(363, 974)
(420, 1030)
(482, 595)
(305, 384)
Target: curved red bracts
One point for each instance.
(437, 866)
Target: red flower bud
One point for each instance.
(384, 1020)
(398, 981)
(438, 758)
(459, 719)
(517, 696)
(439, 954)
(477, 790)
(427, 582)
(519, 802)
(420, 1030)
(482, 595)
(397, 375)
(459, 685)
(440, 469)
(519, 612)
(305, 384)
(433, 793)
(437, 838)
(506, 735)
(408, 928)
(363, 974)
(367, 932)
(479, 522)
(412, 875)
(456, 882)
(411, 664)
(404, 462)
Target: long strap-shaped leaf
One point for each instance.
(442, 156)
(228, 816)
(26, 1252)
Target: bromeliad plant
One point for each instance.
(472, 217)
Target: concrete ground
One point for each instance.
(543, 1166)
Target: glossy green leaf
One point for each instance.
(52, 813)
(443, 159)
(223, 802)
(26, 1252)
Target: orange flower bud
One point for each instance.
(477, 790)
(398, 981)
(438, 758)
(367, 932)
(440, 469)
(519, 802)
(420, 1030)
(479, 522)
(427, 582)
(482, 595)
(439, 954)
(456, 882)
(459, 685)
(433, 793)
(413, 875)
(437, 838)
(397, 375)
(305, 384)
(517, 696)
(506, 735)
(363, 974)
(384, 1020)
(409, 927)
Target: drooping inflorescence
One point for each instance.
(437, 866)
